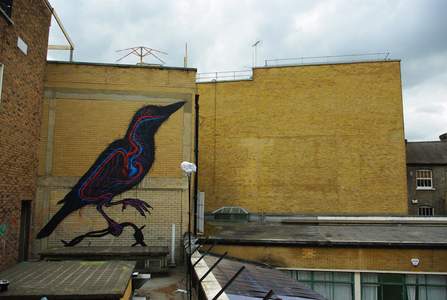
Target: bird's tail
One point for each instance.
(70, 204)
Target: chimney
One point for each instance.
(443, 137)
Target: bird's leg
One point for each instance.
(141, 206)
(115, 228)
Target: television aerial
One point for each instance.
(255, 54)
(142, 52)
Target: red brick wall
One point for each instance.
(20, 114)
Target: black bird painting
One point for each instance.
(121, 166)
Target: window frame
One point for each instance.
(333, 282)
(426, 207)
(424, 178)
(404, 284)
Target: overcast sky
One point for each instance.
(220, 34)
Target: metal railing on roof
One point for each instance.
(327, 59)
(224, 76)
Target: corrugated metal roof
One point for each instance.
(68, 279)
(256, 281)
(427, 153)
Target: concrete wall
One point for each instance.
(88, 106)
(332, 258)
(320, 139)
(436, 198)
(20, 111)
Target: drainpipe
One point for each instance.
(172, 245)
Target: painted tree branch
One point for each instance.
(138, 235)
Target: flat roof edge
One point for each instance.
(328, 63)
(425, 164)
(80, 63)
(320, 243)
(223, 81)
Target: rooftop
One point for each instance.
(342, 235)
(427, 153)
(255, 281)
(144, 66)
(244, 75)
(68, 279)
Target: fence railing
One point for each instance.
(327, 59)
(224, 76)
(248, 74)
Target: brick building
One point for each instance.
(303, 168)
(23, 49)
(86, 107)
(319, 139)
(427, 177)
(319, 148)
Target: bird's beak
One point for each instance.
(172, 108)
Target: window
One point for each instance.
(426, 211)
(6, 8)
(403, 287)
(424, 180)
(332, 285)
(1, 80)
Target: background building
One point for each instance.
(358, 258)
(303, 168)
(427, 177)
(86, 107)
(23, 50)
(317, 139)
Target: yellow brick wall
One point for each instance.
(380, 259)
(167, 210)
(86, 107)
(85, 128)
(324, 139)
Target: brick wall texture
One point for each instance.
(20, 113)
(88, 106)
(332, 258)
(320, 139)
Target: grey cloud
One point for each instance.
(220, 34)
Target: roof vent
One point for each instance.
(443, 137)
(230, 213)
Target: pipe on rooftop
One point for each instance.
(61, 26)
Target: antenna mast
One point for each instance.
(142, 52)
(255, 46)
(185, 59)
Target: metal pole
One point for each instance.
(256, 53)
(213, 266)
(268, 295)
(196, 158)
(189, 239)
(173, 244)
(185, 59)
(203, 255)
(229, 282)
(61, 26)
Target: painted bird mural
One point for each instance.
(121, 166)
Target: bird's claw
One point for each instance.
(141, 206)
